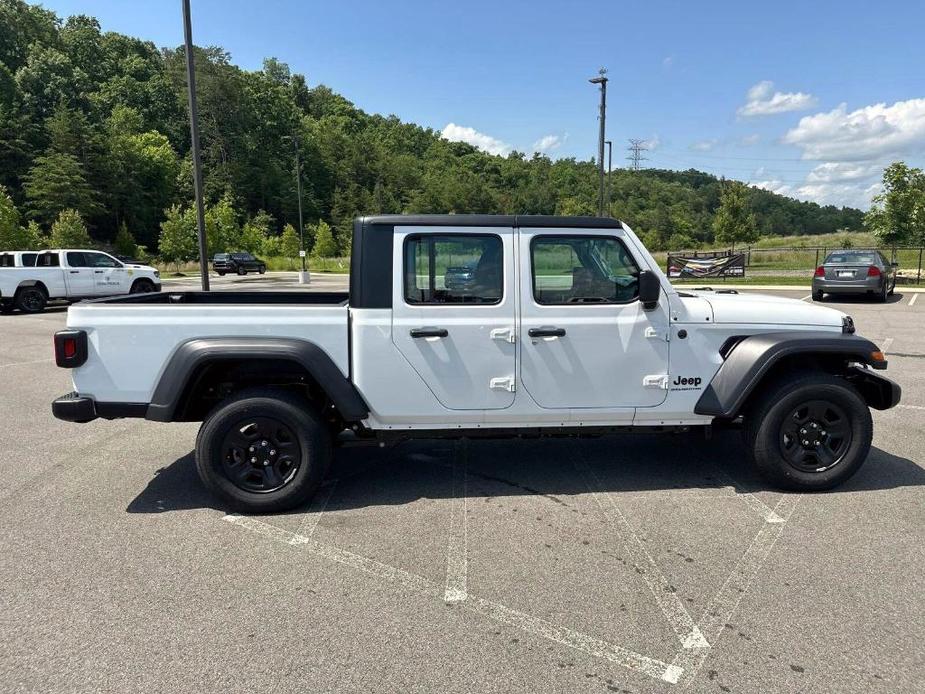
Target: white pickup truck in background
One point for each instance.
(72, 274)
(18, 258)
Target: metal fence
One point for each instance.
(799, 261)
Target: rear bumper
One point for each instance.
(76, 408)
(855, 287)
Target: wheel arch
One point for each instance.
(201, 371)
(758, 359)
(30, 284)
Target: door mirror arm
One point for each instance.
(650, 289)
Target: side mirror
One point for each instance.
(649, 289)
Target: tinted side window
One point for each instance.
(583, 270)
(48, 260)
(7, 260)
(77, 260)
(28, 259)
(454, 269)
(100, 260)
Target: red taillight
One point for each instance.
(70, 348)
(873, 271)
(820, 271)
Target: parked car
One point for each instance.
(72, 274)
(240, 263)
(854, 272)
(527, 351)
(18, 258)
(459, 277)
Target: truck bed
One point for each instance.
(131, 338)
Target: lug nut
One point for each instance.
(272, 452)
(263, 443)
(253, 460)
(251, 449)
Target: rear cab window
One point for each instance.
(453, 269)
(574, 270)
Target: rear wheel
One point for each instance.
(883, 293)
(31, 300)
(220, 274)
(263, 451)
(809, 432)
(262, 270)
(818, 295)
(242, 271)
(7, 307)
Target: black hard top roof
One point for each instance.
(493, 220)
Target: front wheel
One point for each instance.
(263, 451)
(262, 270)
(7, 307)
(809, 432)
(142, 286)
(818, 296)
(242, 271)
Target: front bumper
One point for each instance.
(78, 408)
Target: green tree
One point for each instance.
(222, 229)
(57, 182)
(289, 243)
(69, 231)
(256, 232)
(734, 222)
(325, 246)
(33, 236)
(125, 242)
(178, 241)
(12, 235)
(897, 215)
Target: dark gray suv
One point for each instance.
(240, 263)
(854, 272)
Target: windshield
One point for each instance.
(852, 258)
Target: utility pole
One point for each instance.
(609, 144)
(636, 148)
(304, 277)
(601, 79)
(194, 141)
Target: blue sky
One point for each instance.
(807, 98)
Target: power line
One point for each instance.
(636, 148)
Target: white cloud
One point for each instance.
(875, 131)
(667, 62)
(762, 100)
(652, 143)
(704, 145)
(750, 140)
(486, 143)
(547, 143)
(838, 172)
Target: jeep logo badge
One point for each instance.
(692, 382)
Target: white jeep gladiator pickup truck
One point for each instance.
(72, 274)
(463, 326)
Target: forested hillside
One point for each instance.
(97, 122)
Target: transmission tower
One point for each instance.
(636, 148)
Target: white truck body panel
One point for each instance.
(130, 346)
(619, 364)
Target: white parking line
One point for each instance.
(689, 634)
(317, 508)
(567, 637)
(23, 363)
(720, 610)
(757, 505)
(808, 296)
(887, 343)
(912, 407)
(457, 549)
(912, 300)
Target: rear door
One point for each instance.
(454, 311)
(586, 341)
(79, 275)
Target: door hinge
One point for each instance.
(659, 381)
(653, 334)
(502, 383)
(506, 334)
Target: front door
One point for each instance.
(454, 312)
(109, 275)
(587, 342)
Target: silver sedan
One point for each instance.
(855, 272)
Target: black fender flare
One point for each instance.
(195, 353)
(754, 356)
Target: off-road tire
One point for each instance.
(767, 417)
(242, 271)
(142, 286)
(297, 414)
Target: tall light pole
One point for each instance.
(303, 276)
(194, 142)
(609, 169)
(601, 79)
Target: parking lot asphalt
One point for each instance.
(638, 563)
